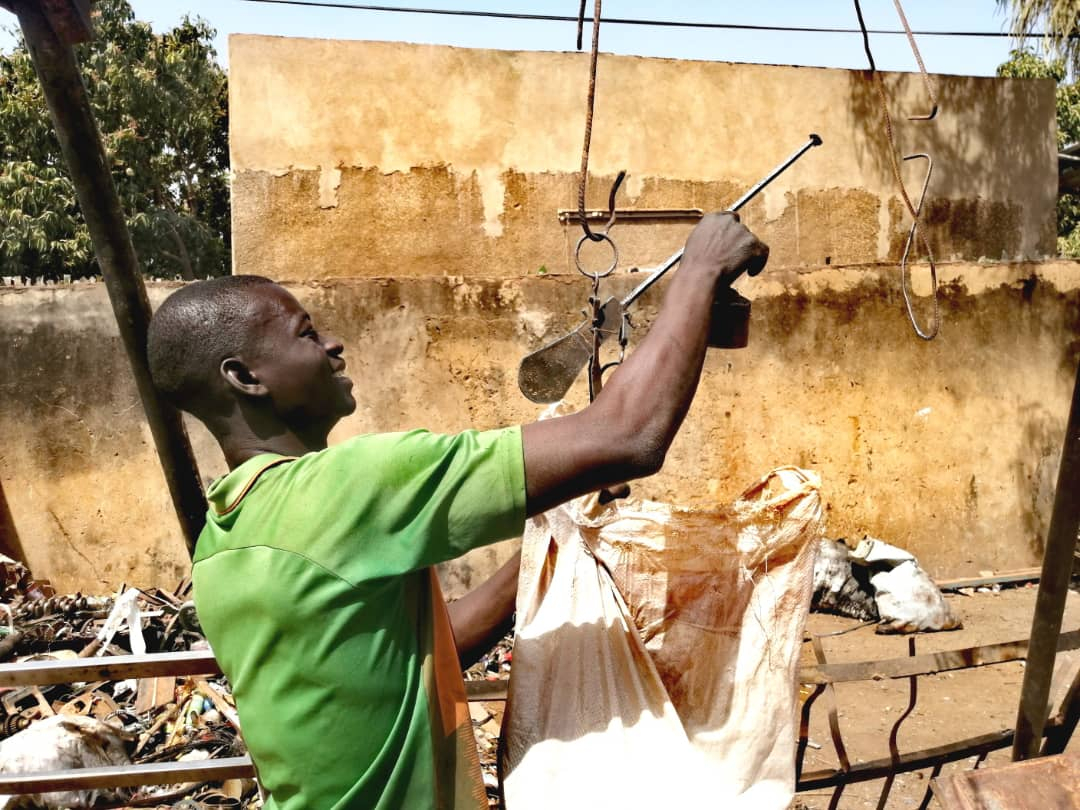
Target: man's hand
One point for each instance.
(626, 432)
(721, 243)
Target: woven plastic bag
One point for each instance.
(654, 663)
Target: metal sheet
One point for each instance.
(1036, 784)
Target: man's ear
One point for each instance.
(239, 376)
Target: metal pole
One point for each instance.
(84, 154)
(1053, 590)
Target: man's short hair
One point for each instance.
(194, 330)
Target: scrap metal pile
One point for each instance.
(57, 727)
(487, 715)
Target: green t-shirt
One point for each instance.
(313, 586)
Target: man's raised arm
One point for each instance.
(626, 432)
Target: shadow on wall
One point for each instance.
(9, 538)
(968, 140)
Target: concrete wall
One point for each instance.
(408, 196)
(385, 159)
(949, 448)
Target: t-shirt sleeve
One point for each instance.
(402, 501)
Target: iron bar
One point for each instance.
(914, 761)
(572, 216)
(84, 154)
(929, 663)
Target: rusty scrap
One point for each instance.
(184, 730)
(1048, 782)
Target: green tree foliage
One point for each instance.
(161, 102)
(1024, 64)
(1058, 18)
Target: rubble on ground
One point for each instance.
(487, 715)
(45, 728)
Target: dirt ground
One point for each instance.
(951, 706)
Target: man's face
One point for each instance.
(301, 368)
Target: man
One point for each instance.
(313, 577)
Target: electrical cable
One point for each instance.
(504, 15)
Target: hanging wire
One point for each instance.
(589, 105)
(922, 68)
(915, 211)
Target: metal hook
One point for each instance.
(935, 323)
(598, 236)
(922, 68)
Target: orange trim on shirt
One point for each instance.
(251, 483)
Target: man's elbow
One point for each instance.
(644, 456)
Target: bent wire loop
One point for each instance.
(905, 276)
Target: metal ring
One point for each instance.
(603, 237)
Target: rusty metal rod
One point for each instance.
(1057, 568)
(84, 154)
(112, 668)
(914, 761)
(154, 773)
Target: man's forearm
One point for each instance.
(626, 432)
(657, 382)
(485, 614)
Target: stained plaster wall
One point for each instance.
(949, 448)
(408, 197)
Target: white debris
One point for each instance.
(60, 743)
(879, 581)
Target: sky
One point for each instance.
(942, 54)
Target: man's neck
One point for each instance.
(241, 443)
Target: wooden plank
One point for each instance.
(1057, 567)
(929, 663)
(111, 668)
(487, 690)
(1034, 784)
(155, 773)
(48, 30)
(1009, 577)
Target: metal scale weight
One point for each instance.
(547, 374)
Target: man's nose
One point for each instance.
(333, 345)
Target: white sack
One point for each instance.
(656, 650)
(908, 601)
(63, 742)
